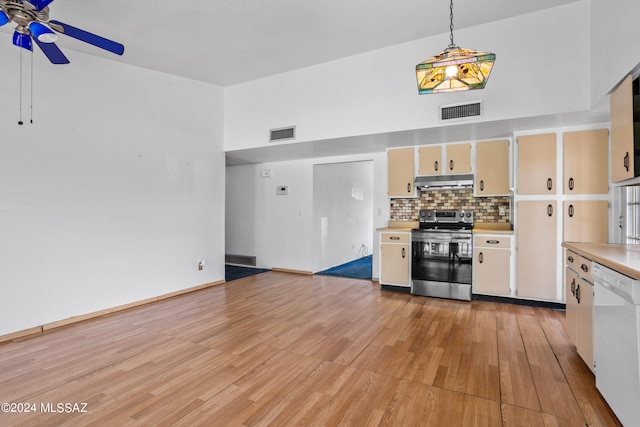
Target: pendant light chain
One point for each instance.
(451, 45)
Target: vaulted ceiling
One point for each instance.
(226, 42)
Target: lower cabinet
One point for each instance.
(492, 264)
(395, 259)
(579, 298)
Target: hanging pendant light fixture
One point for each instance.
(455, 68)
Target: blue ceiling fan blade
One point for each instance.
(87, 37)
(52, 52)
(22, 40)
(40, 4)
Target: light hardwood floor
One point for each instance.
(289, 350)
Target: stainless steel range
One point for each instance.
(442, 253)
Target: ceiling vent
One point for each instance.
(461, 111)
(282, 134)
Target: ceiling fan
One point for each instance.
(32, 19)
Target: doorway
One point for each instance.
(342, 215)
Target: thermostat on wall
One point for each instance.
(282, 190)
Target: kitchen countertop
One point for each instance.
(399, 226)
(622, 258)
(492, 228)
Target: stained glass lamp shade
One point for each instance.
(454, 69)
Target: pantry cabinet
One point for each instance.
(395, 258)
(458, 158)
(492, 264)
(537, 248)
(537, 164)
(400, 165)
(430, 160)
(585, 163)
(622, 153)
(492, 168)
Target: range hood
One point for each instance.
(443, 182)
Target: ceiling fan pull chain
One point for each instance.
(31, 106)
(20, 118)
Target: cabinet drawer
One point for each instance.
(571, 260)
(579, 264)
(492, 242)
(584, 268)
(394, 238)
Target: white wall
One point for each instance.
(283, 225)
(615, 43)
(112, 195)
(342, 213)
(376, 92)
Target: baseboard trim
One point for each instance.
(76, 319)
(287, 270)
(519, 301)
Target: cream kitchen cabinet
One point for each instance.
(585, 163)
(458, 158)
(579, 308)
(586, 221)
(400, 172)
(622, 157)
(536, 226)
(492, 168)
(395, 256)
(492, 264)
(537, 164)
(430, 160)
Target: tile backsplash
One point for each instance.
(486, 208)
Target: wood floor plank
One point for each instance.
(285, 349)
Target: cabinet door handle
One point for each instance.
(573, 287)
(626, 161)
(584, 268)
(549, 184)
(578, 293)
(570, 259)
(394, 238)
(550, 210)
(435, 165)
(493, 242)
(482, 185)
(451, 164)
(571, 184)
(571, 211)
(409, 187)
(480, 257)
(404, 253)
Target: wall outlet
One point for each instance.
(501, 210)
(201, 264)
(282, 190)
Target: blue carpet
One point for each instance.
(233, 272)
(358, 269)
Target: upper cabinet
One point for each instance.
(430, 160)
(492, 168)
(458, 158)
(586, 164)
(622, 152)
(537, 164)
(400, 172)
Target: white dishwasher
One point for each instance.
(617, 341)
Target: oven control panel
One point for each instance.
(446, 216)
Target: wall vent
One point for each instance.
(461, 111)
(282, 134)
